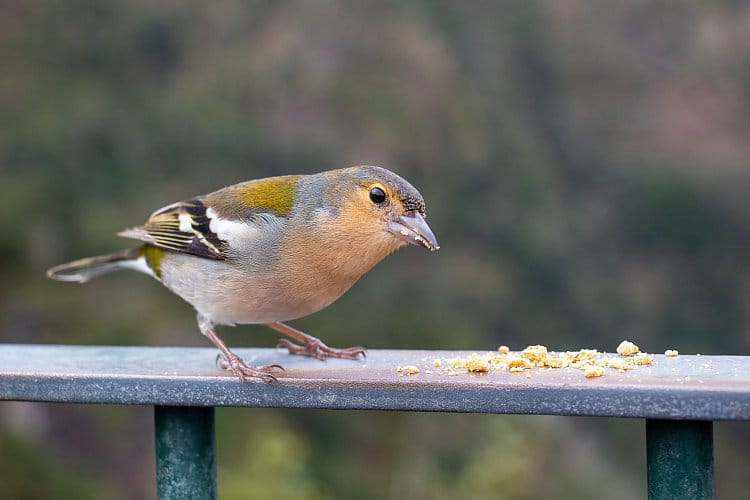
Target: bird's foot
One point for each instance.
(317, 349)
(237, 366)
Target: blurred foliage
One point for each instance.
(584, 166)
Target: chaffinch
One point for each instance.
(271, 250)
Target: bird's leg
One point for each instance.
(230, 361)
(312, 346)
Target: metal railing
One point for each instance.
(678, 397)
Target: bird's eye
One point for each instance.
(377, 195)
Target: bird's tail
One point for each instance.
(82, 270)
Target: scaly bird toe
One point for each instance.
(238, 367)
(317, 349)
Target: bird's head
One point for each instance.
(375, 202)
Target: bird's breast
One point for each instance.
(280, 280)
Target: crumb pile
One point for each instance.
(590, 361)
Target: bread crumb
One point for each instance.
(553, 361)
(503, 349)
(626, 348)
(535, 353)
(593, 371)
(582, 355)
(518, 363)
(671, 353)
(619, 364)
(642, 359)
(409, 370)
(437, 363)
(477, 363)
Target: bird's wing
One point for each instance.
(213, 225)
(184, 226)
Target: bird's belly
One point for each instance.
(267, 309)
(227, 296)
(266, 305)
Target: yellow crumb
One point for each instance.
(409, 370)
(517, 363)
(553, 361)
(535, 353)
(671, 353)
(436, 363)
(626, 348)
(582, 355)
(619, 363)
(642, 359)
(477, 363)
(593, 371)
(503, 349)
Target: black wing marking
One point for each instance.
(183, 227)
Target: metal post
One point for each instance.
(680, 458)
(185, 457)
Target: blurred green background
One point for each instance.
(585, 166)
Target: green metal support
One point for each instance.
(680, 457)
(185, 453)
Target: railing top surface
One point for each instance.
(686, 387)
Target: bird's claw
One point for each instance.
(237, 366)
(317, 349)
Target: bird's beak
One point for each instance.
(412, 228)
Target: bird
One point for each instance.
(271, 250)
